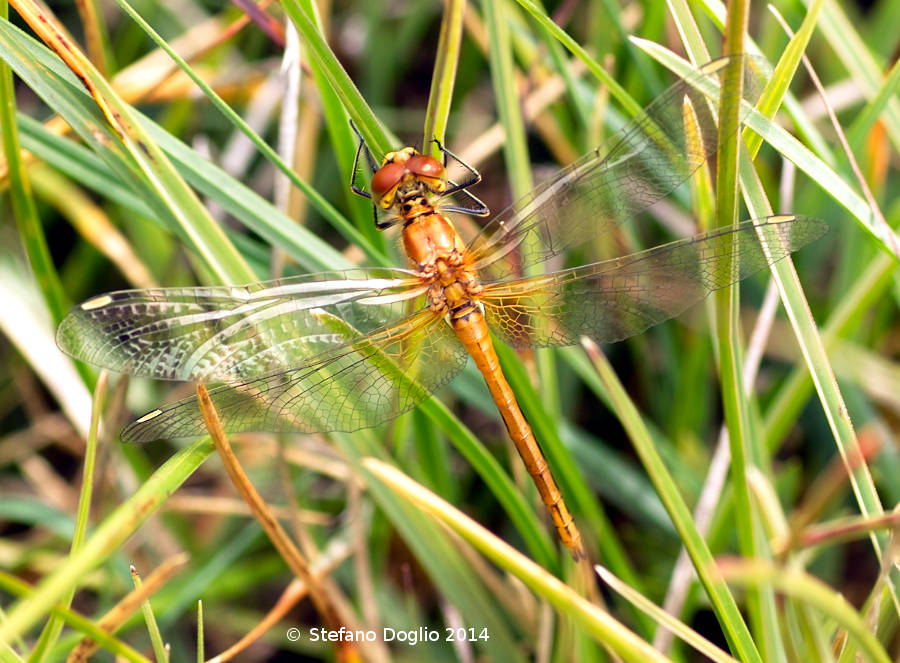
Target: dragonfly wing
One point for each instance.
(615, 299)
(232, 333)
(369, 380)
(650, 157)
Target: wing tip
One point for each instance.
(68, 337)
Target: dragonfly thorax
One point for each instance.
(439, 254)
(430, 237)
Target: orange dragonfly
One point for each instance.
(341, 351)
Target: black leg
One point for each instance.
(373, 165)
(355, 189)
(478, 209)
(473, 178)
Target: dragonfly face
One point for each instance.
(408, 184)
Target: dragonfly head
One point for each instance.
(408, 182)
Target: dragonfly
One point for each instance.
(341, 351)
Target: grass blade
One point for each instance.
(594, 620)
(154, 168)
(106, 539)
(24, 210)
(723, 601)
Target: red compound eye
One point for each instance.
(387, 177)
(426, 166)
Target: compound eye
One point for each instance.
(426, 166)
(387, 177)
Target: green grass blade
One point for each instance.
(816, 358)
(112, 644)
(853, 52)
(159, 648)
(690, 33)
(595, 621)
(723, 602)
(53, 627)
(523, 518)
(318, 202)
(866, 292)
(865, 120)
(107, 538)
(728, 299)
(443, 78)
(820, 172)
(437, 553)
(695, 46)
(343, 138)
(580, 102)
(247, 206)
(376, 137)
(24, 209)
(154, 169)
(628, 103)
(776, 89)
(743, 444)
(79, 163)
(515, 150)
(664, 619)
(808, 589)
(201, 654)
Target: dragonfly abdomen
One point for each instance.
(472, 331)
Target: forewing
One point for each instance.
(615, 299)
(650, 157)
(232, 333)
(371, 379)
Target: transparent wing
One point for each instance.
(643, 163)
(615, 299)
(369, 380)
(232, 333)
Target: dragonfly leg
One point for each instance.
(436, 296)
(362, 147)
(359, 191)
(473, 178)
